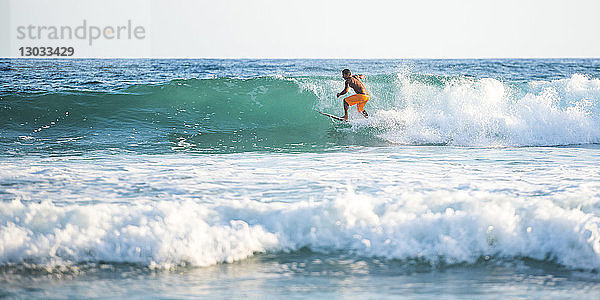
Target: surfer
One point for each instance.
(360, 98)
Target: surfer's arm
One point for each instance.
(345, 89)
(361, 76)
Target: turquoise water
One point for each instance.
(216, 178)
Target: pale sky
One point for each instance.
(316, 29)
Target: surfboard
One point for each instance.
(331, 116)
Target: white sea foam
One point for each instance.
(162, 233)
(437, 227)
(465, 111)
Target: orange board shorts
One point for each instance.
(359, 99)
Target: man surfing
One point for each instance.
(360, 98)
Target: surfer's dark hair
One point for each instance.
(346, 71)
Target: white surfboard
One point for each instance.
(331, 116)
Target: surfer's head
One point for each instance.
(346, 73)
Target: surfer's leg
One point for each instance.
(346, 105)
(361, 105)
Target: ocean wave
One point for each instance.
(433, 227)
(266, 113)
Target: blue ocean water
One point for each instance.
(217, 178)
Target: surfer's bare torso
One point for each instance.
(357, 85)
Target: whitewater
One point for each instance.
(217, 178)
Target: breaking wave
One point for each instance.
(435, 227)
(277, 114)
